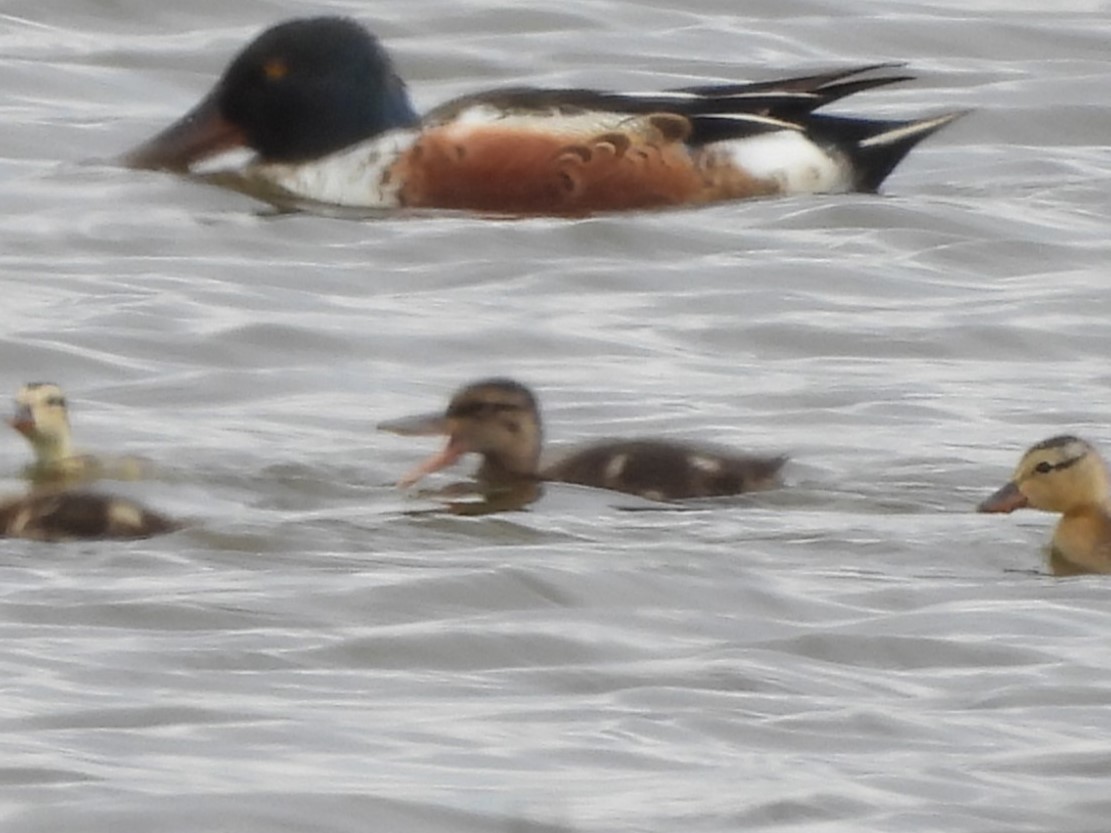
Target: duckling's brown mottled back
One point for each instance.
(64, 515)
(1066, 475)
(663, 470)
(500, 420)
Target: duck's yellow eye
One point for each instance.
(275, 69)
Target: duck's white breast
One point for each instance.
(355, 176)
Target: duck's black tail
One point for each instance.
(874, 147)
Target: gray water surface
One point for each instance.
(858, 651)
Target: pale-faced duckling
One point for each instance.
(1064, 475)
(64, 515)
(42, 417)
(499, 419)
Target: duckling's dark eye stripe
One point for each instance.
(1045, 467)
(477, 408)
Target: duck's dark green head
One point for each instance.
(301, 90)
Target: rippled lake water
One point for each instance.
(857, 651)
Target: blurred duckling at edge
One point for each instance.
(499, 419)
(42, 417)
(70, 515)
(1068, 476)
(52, 512)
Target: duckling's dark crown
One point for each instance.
(1059, 441)
(470, 401)
(57, 400)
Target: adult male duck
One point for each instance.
(499, 420)
(329, 120)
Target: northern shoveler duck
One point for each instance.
(63, 515)
(499, 419)
(320, 104)
(42, 417)
(1065, 475)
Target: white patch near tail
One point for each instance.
(351, 177)
(790, 159)
(917, 128)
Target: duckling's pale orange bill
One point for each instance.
(1007, 499)
(451, 453)
(198, 135)
(422, 425)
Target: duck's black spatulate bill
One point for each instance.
(200, 134)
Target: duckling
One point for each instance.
(500, 420)
(65, 515)
(41, 416)
(1066, 475)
